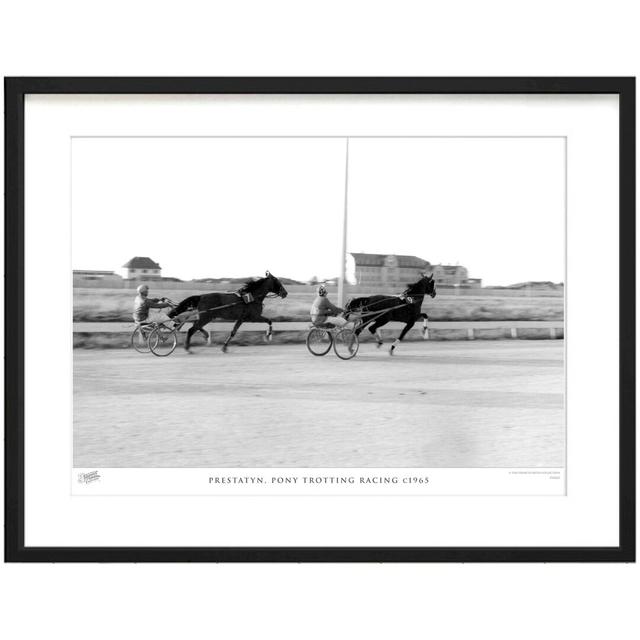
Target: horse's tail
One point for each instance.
(188, 303)
(353, 304)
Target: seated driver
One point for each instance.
(323, 312)
(143, 303)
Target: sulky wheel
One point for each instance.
(346, 344)
(319, 341)
(163, 341)
(140, 338)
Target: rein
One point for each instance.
(406, 300)
(377, 314)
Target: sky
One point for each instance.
(215, 207)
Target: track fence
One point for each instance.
(472, 330)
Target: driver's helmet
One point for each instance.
(143, 289)
(322, 290)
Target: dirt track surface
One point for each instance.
(434, 404)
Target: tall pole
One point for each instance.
(343, 255)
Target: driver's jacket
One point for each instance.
(142, 305)
(322, 308)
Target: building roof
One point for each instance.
(141, 263)
(377, 260)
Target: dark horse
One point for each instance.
(243, 306)
(405, 308)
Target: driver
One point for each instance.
(143, 303)
(323, 312)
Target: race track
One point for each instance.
(434, 404)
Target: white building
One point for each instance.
(143, 268)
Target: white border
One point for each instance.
(587, 516)
(282, 481)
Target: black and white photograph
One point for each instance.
(318, 302)
(305, 319)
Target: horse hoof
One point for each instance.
(208, 342)
(391, 351)
(378, 345)
(224, 348)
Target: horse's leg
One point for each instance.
(403, 333)
(268, 336)
(373, 329)
(360, 326)
(236, 326)
(187, 343)
(425, 326)
(206, 334)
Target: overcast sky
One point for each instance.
(213, 207)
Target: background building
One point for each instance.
(143, 268)
(380, 270)
(396, 271)
(454, 275)
(94, 278)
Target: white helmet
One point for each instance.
(322, 290)
(143, 287)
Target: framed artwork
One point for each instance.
(320, 319)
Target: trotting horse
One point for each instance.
(405, 308)
(242, 306)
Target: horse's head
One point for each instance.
(426, 286)
(275, 286)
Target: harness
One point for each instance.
(369, 316)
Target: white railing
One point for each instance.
(554, 327)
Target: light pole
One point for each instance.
(343, 255)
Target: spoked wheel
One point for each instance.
(346, 344)
(163, 341)
(140, 338)
(319, 341)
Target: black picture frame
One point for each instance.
(15, 91)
